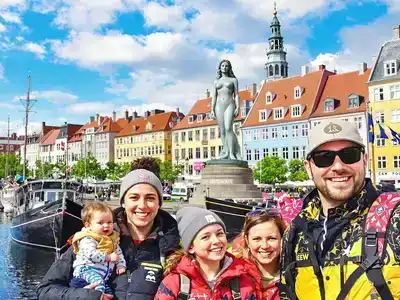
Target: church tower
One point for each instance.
(276, 66)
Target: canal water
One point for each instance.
(21, 268)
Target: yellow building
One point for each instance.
(149, 135)
(384, 95)
(196, 138)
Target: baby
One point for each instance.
(96, 247)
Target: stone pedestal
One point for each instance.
(223, 179)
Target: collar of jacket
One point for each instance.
(352, 208)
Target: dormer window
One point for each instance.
(269, 97)
(199, 118)
(133, 128)
(171, 124)
(191, 119)
(298, 91)
(149, 126)
(296, 111)
(354, 101)
(390, 68)
(329, 105)
(278, 113)
(262, 115)
(208, 116)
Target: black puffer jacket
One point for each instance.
(144, 270)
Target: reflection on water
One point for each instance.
(21, 268)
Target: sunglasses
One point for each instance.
(271, 212)
(325, 158)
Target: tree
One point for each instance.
(273, 170)
(297, 172)
(169, 171)
(92, 167)
(43, 170)
(116, 171)
(149, 163)
(10, 163)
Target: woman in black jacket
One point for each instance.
(148, 235)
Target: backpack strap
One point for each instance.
(184, 289)
(375, 227)
(235, 288)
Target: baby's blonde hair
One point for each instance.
(91, 208)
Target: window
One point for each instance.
(248, 154)
(262, 115)
(212, 133)
(190, 119)
(190, 153)
(396, 161)
(395, 91)
(199, 118)
(212, 154)
(190, 135)
(390, 68)
(198, 155)
(303, 152)
(176, 154)
(296, 111)
(256, 154)
(304, 129)
(256, 135)
(354, 101)
(380, 117)
(247, 135)
(176, 138)
(358, 121)
(264, 135)
(274, 151)
(205, 152)
(269, 97)
(285, 152)
(329, 105)
(295, 130)
(208, 116)
(278, 113)
(297, 92)
(205, 134)
(183, 153)
(378, 94)
(395, 115)
(380, 142)
(381, 162)
(265, 152)
(197, 135)
(284, 132)
(183, 136)
(274, 132)
(243, 111)
(296, 152)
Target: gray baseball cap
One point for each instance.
(329, 131)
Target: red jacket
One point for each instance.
(249, 281)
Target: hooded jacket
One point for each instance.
(320, 253)
(144, 265)
(249, 281)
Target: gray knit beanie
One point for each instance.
(140, 176)
(193, 219)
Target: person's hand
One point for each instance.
(107, 297)
(92, 285)
(121, 270)
(236, 113)
(113, 257)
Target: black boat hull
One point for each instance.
(48, 227)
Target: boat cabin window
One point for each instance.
(70, 196)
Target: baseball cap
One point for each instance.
(329, 131)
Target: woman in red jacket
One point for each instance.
(203, 269)
(260, 242)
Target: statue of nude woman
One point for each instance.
(225, 108)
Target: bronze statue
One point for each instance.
(225, 108)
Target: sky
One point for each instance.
(97, 56)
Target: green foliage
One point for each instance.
(92, 167)
(273, 170)
(114, 171)
(297, 172)
(43, 170)
(10, 163)
(169, 171)
(149, 163)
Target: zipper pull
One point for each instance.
(128, 273)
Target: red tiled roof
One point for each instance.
(93, 124)
(109, 125)
(312, 84)
(203, 106)
(50, 137)
(339, 87)
(160, 122)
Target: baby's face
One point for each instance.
(101, 223)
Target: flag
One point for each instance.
(382, 133)
(62, 146)
(371, 135)
(395, 135)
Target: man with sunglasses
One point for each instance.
(330, 251)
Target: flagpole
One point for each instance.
(369, 110)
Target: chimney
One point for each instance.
(321, 67)
(97, 117)
(146, 114)
(305, 70)
(207, 93)
(362, 68)
(253, 89)
(134, 115)
(126, 114)
(91, 119)
(396, 32)
(114, 116)
(43, 126)
(152, 112)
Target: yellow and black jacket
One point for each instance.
(319, 253)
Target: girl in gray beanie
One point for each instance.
(203, 269)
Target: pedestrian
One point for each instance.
(203, 269)
(148, 235)
(344, 243)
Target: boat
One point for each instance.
(46, 213)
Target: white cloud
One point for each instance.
(1, 72)
(19, 38)
(89, 108)
(57, 97)
(9, 3)
(39, 50)
(10, 17)
(33, 127)
(8, 106)
(140, 109)
(2, 28)
(165, 16)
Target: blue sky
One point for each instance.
(96, 56)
